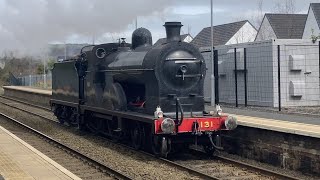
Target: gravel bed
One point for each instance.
(268, 166)
(73, 164)
(221, 169)
(98, 147)
(132, 163)
(39, 111)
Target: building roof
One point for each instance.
(287, 26)
(163, 40)
(221, 34)
(316, 11)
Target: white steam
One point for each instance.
(30, 25)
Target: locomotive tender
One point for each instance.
(150, 95)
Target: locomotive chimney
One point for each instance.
(173, 31)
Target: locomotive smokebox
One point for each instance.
(173, 31)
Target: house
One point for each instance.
(312, 26)
(281, 26)
(231, 33)
(185, 38)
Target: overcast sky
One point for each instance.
(196, 13)
(29, 24)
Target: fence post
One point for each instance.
(236, 75)
(44, 80)
(279, 83)
(216, 77)
(245, 78)
(319, 59)
(29, 80)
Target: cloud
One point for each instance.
(29, 25)
(194, 10)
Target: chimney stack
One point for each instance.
(173, 31)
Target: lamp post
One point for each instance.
(44, 70)
(212, 74)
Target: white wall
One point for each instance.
(311, 24)
(246, 33)
(188, 39)
(262, 74)
(265, 32)
(308, 75)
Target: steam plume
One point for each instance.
(30, 25)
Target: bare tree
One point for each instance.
(257, 20)
(258, 16)
(280, 6)
(285, 6)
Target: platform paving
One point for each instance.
(19, 160)
(29, 89)
(294, 124)
(274, 115)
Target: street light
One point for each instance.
(44, 69)
(212, 74)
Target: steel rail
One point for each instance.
(250, 167)
(24, 102)
(92, 162)
(261, 170)
(24, 110)
(166, 161)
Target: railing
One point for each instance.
(39, 80)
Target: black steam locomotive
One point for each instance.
(150, 95)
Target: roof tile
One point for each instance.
(221, 34)
(316, 10)
(287, 26)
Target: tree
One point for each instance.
(49, 67)
(285, 7)
(50, 64)
(39, 69)
(281, 7)
(314, 38)
(258, 16)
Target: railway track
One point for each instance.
(78, 163)
(24, 102)
(14, 104)
(221, 167)
(217, 168)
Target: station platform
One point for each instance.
(30, 94)
(287, 123)
(29, 89)
(19, 160)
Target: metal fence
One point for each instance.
(41, 80)
(275, 73)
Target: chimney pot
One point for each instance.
(173, 31)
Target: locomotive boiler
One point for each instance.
(149, 95)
